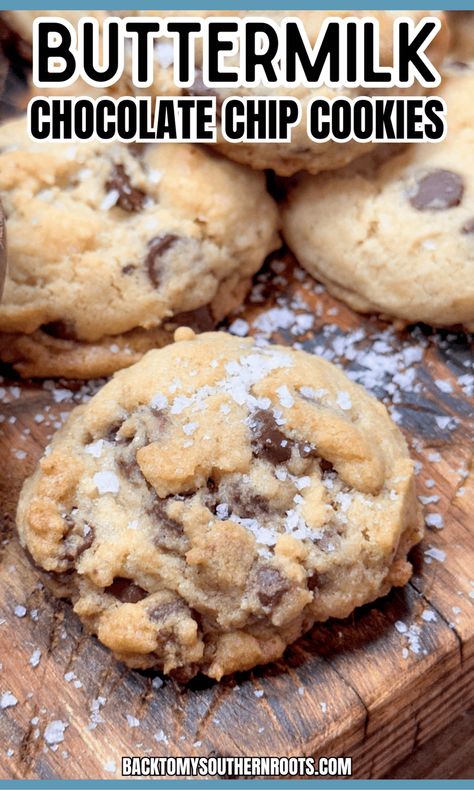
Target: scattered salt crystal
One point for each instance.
(8, 700)
(164, 53)
(160, 737)
(54, 732)
(95, 448)
(400, 627)
(157, 683)
(285, 397)
(435, 554)
(197, 744)
(301, 691)
(429, 616)
(132, 721)
(106, 482)
(302, 482)
(434, 457)
(323, 706)
(19, 610)
(343, 400)
(110, 767)
(190, 427)
(35, 657)
(405, 652)
(259, 692)
(239, 327)
(434, 520)
(109, 200)
(159, 401)
(444, 386)
(456, 610)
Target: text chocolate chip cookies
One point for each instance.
(300, 153)
(212, 502)
(396, 236)
(112, 246)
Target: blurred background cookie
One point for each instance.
(112, 246)
(301, 153)
(396, 237)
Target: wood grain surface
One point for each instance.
(376, 686)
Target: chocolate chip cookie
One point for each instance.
(112, 246)
(211, 503)
(301, 153)
(396, 236)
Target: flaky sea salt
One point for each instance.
(54, 732)
(106, 482)
(8, 700)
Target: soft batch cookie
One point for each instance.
(212, 502)
(112, 246)
(301, 153)
(397, 236)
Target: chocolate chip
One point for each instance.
(246, 504)
(270, 585)
(126, 591)
(438, 190)
(468, 226)
(199, 89)
(77, 539)
(313, 581)
(130, 198)
(169, 535)
(161, 613)
(305, 449)
(129, 268)
(201, 319)
(128, 467)
(325, 465)
(268, 441)
(157, 247)
(62, 330)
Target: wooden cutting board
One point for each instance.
(374, 686)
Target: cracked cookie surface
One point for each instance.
(112, 246)
(211, 503)
(397, 237)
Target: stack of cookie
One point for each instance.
(217, 498)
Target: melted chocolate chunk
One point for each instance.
(306, 449)
(199, 89)
(468, 226)
(245, 504)
(129, 268)
(270, 585)
(161, 613)
(62, 330)
(313, 581)
(77, 539)
(268, 441)
(128, 467)
(170, 535)
(325, 465)
(130, 198)
(157, 247)
(126, 591)
(437, 191)
(200, 320)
